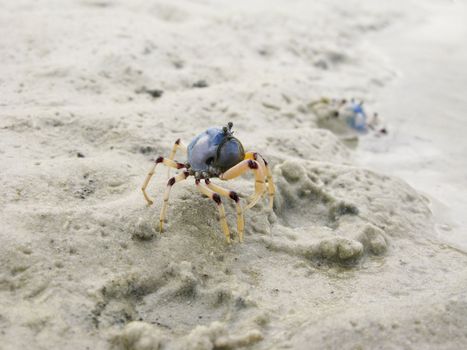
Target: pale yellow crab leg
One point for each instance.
(267, 171)
(234, 196)
(264, 166)
(271, 187)
(254, 156)
(166, 162)
(243, 167)
(322, 100)
(172, 181)
(216, 198)
(177, 145)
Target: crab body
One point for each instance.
(213, 152)
(355, 117)
(216, 153)
(345, 117)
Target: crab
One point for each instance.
(341, 115)
(216, 153)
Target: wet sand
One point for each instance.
(426, 108)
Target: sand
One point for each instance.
(350, 257)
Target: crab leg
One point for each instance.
(177, 145)
(166, 162)
(271, 187)
(264, 165)
(243, 167)
(234, 196)
(216, 198)
(172, 181)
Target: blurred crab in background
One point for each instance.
(346, 117)
(216, 153)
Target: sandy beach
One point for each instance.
(365, 246)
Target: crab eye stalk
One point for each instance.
(229, 153)
(227, 130)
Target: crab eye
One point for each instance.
(229, 154)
